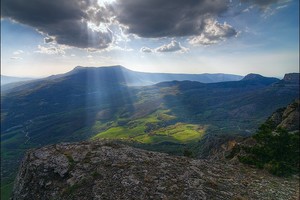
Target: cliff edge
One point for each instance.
(108, 170)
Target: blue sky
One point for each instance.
(237, 37)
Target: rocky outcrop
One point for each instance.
(291, 78)
(107, 170)
(287, 118)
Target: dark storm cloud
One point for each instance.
(68, 22)
(40, 12)
(64, 20)
(78, 34)
(168, 18)
(75, 22)
(48, 40)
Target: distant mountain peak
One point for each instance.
(252, 76)
(113, 66)
(260, 79)
(78, 67)
(291, 77)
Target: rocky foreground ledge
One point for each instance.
(107, 170)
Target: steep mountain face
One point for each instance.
(107, 170)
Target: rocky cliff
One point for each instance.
(287, 118)
(107, 170)
(291, 78)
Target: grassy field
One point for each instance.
(6, 190)
(154, 128)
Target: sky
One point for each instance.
(42, 37)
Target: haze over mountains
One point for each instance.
(106, 103)
(12, 79)
(133, 78)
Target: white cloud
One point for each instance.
(51, 49)
(117, 48)
(146, 50)
(112, 47)
(16, 58)
(173, 46)
(18, 52)
(213, 33)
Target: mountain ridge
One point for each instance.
(150, 78)
(134, 78)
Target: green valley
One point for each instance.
(154, 128)
(177, 117)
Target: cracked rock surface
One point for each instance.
(107, 170)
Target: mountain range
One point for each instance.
(128, 77)
(133, 78)
(116, 103)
